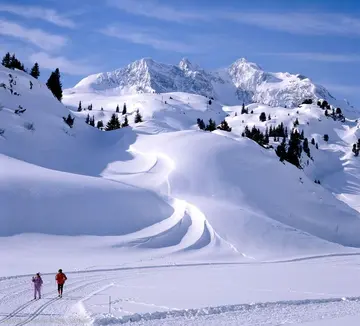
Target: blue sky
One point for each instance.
(319, 39)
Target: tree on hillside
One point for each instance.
(113, 123)
(312, 141)
(125, 123)
(326, 137)
(211, 126)
(243, 110)
(100, 124)
(6, 60)
(79, 107)
(15, 63)
(69, 120)
(281, 150)
(224, 126)
(124, 111)
(306, 147)
(269, 117)
(201, 124)
(87, 120)
(138, 117)
(54, 84)
(262, 117)
(117, 109)
(35, 71)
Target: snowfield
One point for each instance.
(161, 223)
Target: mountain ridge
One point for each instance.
(242, 81)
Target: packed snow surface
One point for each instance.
(169, 224)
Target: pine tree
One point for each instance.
(281, 150)
(296, 123)
(201, 124)
(138, 117)
(87, 120)
(90, 107)
(113, 123)
(355, 150)
(211, 126)
(312, 141)
(224, 126)
(54, 84)
(302, 135)
(262, 117)
(92, 121)
(306, 147)
(252, 111)
(326, 137)
(269, 117)
(317, 146)
(125, 123)
(79, 107)
(210, 102)
(117, 109)
(124, 109)
(69, 120)
(35, 71)
(6, 60)
(243, 110)
(100, 124)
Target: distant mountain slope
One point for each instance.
(243, 81)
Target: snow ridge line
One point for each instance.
(103, 320)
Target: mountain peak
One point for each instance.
(186, 65)
(243, 62)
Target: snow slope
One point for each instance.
(161, 207)
(242, 81)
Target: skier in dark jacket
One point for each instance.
(60, 280)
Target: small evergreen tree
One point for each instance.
(224, 126)
(326, 113)
(306, 147)
(326, 137)
(210, 102)
(312, 141)
(269, 117)
(124, 109)
(92, 121)
(90, 107)
(138, 117)
(35, 71)
(6, 60)
(281, 150)
(54, 84)
(243, 110)
(262, 117)
(126, 122)
(355, 150)
(100, 124)
(113, 123)
(211, 126)
(252, 111)
(302, 135)
(201, 124)
(69, 120)
(317, 146)
(117, 109)
(296, 123)
(338, 111)
(79, 107)
(87, 120)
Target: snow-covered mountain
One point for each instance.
(128, 211)
(243, 81)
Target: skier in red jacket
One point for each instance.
(60, 280)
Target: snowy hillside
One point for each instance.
(131, 210)
(243, 81)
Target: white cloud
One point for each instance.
(316, 56)
(306, 23)
(34, 12)
(148, 37)
(41, 39)
(154, 9)
(65, 65)
(300, 23)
